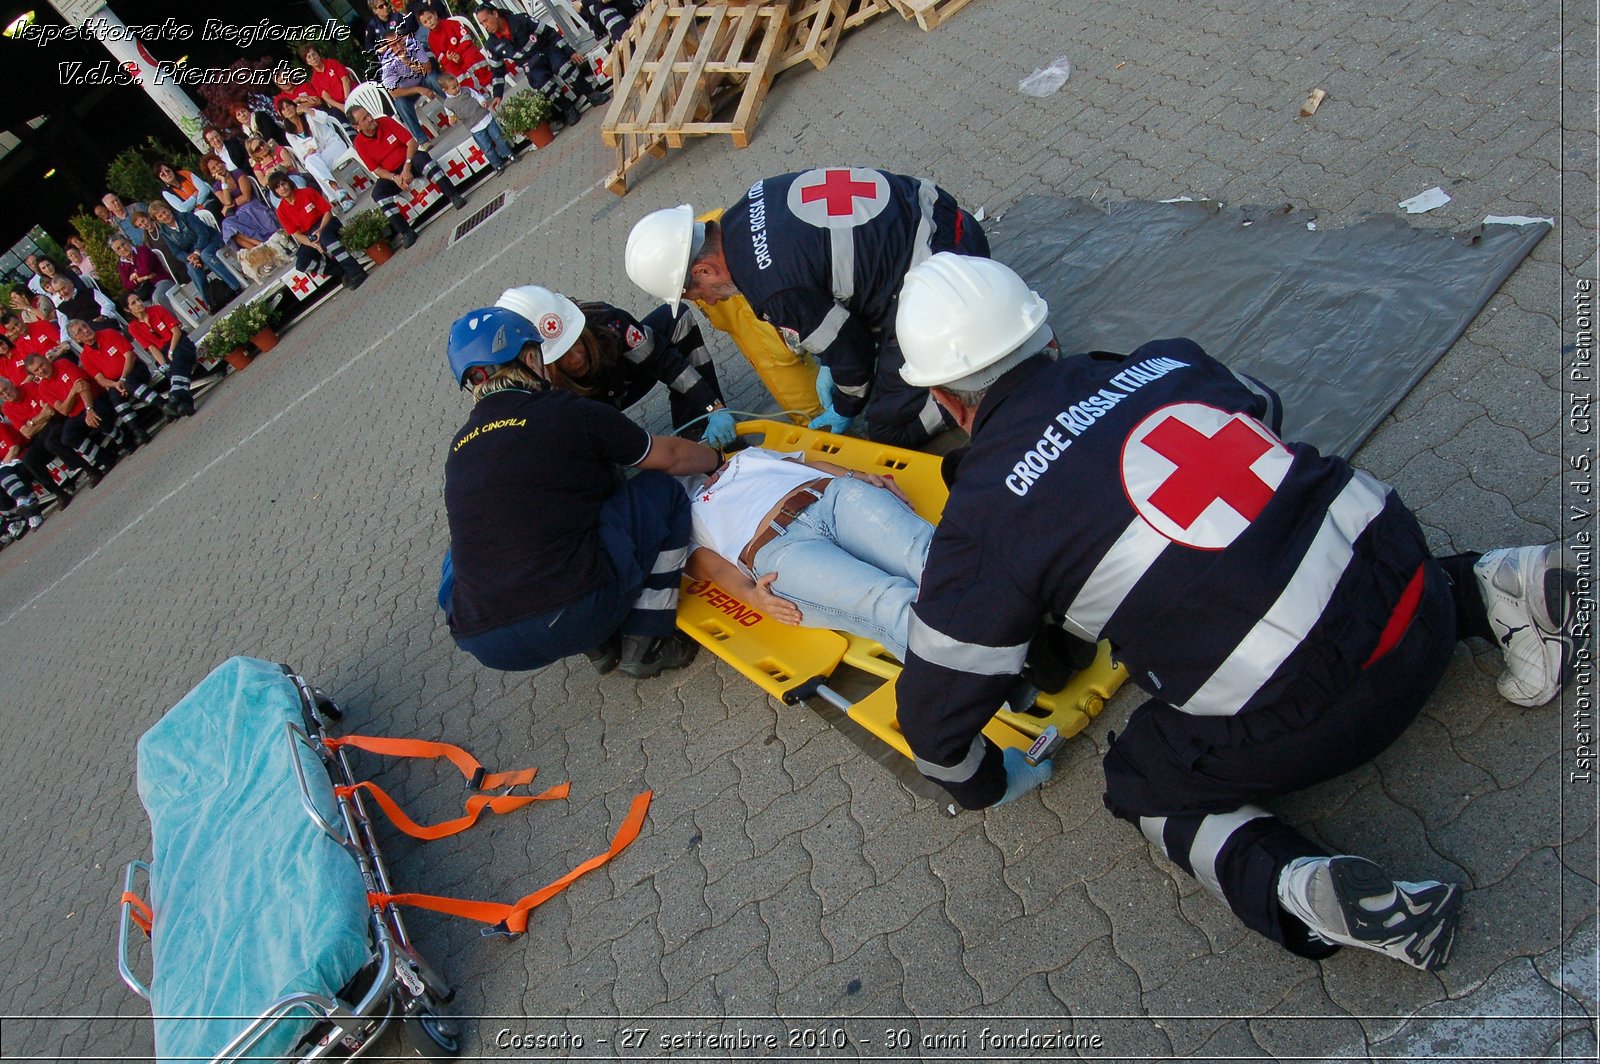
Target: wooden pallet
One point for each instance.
(678, 65)
(815, 27)
(928, 13)
(864, 11)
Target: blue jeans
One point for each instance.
(852, 560)
(210, 255)
(494, 144)
(406, 110)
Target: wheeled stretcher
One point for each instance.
(274, 930)
(793, 664)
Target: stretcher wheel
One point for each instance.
(432, 1036)
(325, 705)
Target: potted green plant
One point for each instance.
(256, 321)
(369, 231)
(528, 114)
(225, 341)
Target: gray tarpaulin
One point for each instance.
(1341, 322)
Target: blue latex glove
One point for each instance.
(825, 387)
(719, 430)
(830, 420)
(1022, 777)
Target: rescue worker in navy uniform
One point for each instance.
(821, 256)
(604, 354)
(549, 557)
(1279, 606)
(542, 56)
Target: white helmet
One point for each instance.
(660, 249)
(557, 319)
(961, 317)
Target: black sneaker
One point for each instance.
(570, 115)
(604, 657)
(643, 657)
(1350, 901)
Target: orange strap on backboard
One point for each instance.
(141, 914)
(513, 918)
(470, 767)
(504, 803)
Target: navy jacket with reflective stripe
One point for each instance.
(1276, 616)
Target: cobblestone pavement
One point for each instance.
(781, 873)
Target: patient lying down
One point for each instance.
(811, 543)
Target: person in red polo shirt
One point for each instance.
(107, 358)
(395, 159)
(36, 420)
(307, 216)
(22, 515)
(330, 78)
(11, 359)
(89, 422)
(158, 332)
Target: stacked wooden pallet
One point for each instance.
(682, 64)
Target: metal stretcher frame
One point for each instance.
(395, 981)
(792, 664)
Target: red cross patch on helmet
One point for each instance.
(550, 326)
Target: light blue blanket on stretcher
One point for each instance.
(252, 901)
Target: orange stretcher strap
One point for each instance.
(142, 916)
(514, 917)
(470, 767)
(504, 803)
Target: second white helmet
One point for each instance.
(960, 318)
(659, 250)
(557, 319)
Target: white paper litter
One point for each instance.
(1311, 226)
(978, 214)
(1516, 219)
(1179, 199)
(1426, 201)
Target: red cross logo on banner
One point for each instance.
(838, 199)
(456, 169)
(359, 182)
(1200, 475)
(476, 157)
(301, 283)
(418, 196)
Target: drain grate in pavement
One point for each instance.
(479, 216)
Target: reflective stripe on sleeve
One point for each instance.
(972, 658)
(823, 336)
(684, 382)
(1301, 604)
(922, 245)
(960, 772)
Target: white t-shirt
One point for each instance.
(727, 515)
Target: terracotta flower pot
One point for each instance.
(264, 341)
(238, 358)
(541, 135)
(380, 252)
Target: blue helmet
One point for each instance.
(489, 336)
